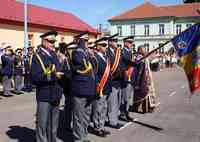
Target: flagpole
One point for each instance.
(25, 25)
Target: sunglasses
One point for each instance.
(104, 45)
(51, 41)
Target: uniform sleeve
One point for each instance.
(77, 59)
(3, 60)
(37, 75)
(66, 69)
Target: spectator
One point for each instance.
(7, 70)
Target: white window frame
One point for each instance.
(146, 30)
(119, 30)
(161, 29)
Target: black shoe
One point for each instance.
(122, 115)
(117, 126)
(129, 118)
(123, 118)
(8, 95)
(106, 132)
(27, 90)
(101, 133)
(107, 123)
(96, 132)
(90, 129)
(24, 89)
(17, 92)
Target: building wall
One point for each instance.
(14, 35)
(154, 38)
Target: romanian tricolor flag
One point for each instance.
(187, 45)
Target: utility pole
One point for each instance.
(26, 24)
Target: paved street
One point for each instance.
(176, 120)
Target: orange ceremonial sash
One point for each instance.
(116, 62)
(129, 72)
(104, 79)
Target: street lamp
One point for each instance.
(26, 24)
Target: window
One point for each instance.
(132, 29)
(161, 29)
(146, 30)
(119, 30)
(178, 29)
(188, 25)
(146, 45)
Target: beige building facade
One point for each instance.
(40, 20)
(14, 35)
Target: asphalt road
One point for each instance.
(177, 119)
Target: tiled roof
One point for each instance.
(12, 10)
(148, 10)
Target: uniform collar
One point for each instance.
(102, 56)
(127, 49)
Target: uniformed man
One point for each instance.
(114, 54)
(44, 74)
(92, 48)
(18, 70)
(104, 88)
(65, 82)
(7, 70)
(128, 75)
(28, 86)
(83, 88)
(3, 44)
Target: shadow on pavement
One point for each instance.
(21, 134)
(24, 134)
(149, 126)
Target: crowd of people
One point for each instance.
(101, 83)
(14, 70)
(163, 60)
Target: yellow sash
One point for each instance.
(46, 70)
(87, 66)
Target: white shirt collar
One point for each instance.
(101, 55)
(112, 50)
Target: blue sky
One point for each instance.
(96, 12)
